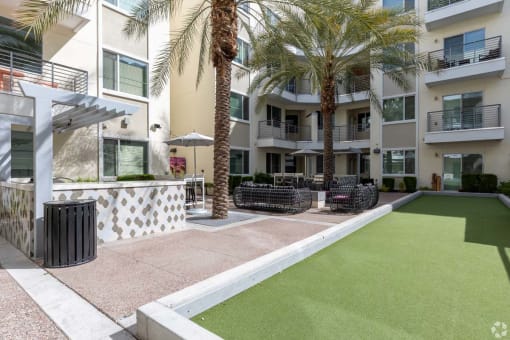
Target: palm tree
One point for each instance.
(332, 46)
(213, 22)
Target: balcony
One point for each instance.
(16, 66)
(479, 59)
(73, 21)
(445, 12)
(481, 123)
(300, 91)
(274, 133)
(347, 136)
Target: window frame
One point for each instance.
(244, 59)
(404, 7)
(118, 141)
(404, 173)
(245, 161)
(117, 74)
(245, 106)
(403, 120)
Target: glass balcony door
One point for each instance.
(461, 111)
(455, 165)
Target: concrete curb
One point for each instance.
(505, 200)
(73, 315)
(167, 318)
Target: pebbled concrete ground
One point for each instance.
(20, 317)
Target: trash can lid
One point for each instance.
(70, 202)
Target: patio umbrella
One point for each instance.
(305, 153)
(193, 139)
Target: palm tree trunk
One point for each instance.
(328, 109)
(223, 51)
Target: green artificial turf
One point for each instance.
(438, 268)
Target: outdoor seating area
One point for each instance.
(353, 197)
(272, 198)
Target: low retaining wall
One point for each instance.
(167, 318)
(17, 215)
(131, 209)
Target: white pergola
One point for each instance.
(78, 111)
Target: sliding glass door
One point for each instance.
(455, 165)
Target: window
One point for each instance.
(274, 113)
(239, 162)
(455, 165)
(399, 108)
(22, 154)
(124, 74)
(464, 48)
(399, 162)
(273, 163)
(126, 5)
(239, 106)
(290, 163)
(242, 52)
(406, 5)
(462, 111)
(124, 157)
(363, 121)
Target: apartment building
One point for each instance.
(87, 53)
(450, 121)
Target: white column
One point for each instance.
(5, 150)
(43, 166)
(315, 126)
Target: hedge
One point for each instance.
(389, 183)
(263, 178)
(479, 183)
(139, 177)
(410, 183)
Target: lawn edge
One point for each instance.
(168, 317)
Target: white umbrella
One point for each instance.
(306, 153)
(193, 139)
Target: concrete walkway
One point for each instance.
(128, 274)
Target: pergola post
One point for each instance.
(43, 166)
(5, 150)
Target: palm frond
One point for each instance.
(148, 12)
(38, 16)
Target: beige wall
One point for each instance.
(496, 154)
(114, 37)
(392, 89)
(399, 135)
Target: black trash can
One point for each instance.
(70, 235)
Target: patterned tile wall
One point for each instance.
(17, 218)
(124, 213)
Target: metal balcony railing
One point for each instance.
(468, 118)
(357, 84)
(16, 66)
(434, 4)
(464, 54)
(345, 133)
(284, 131)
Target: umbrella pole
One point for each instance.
(195, 175)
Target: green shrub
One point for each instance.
(389, 183)
(479, 183)
(504, 188)
(233, 182)
(470, 183)
(425, 188)
(263, 178)
(410, 183)
(139, 177)
(488, 183)
(86, 179)
(247, 179)
(384, 188)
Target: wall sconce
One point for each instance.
(376, 150)
(156, 126)
(124, 122)
(173, 150)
